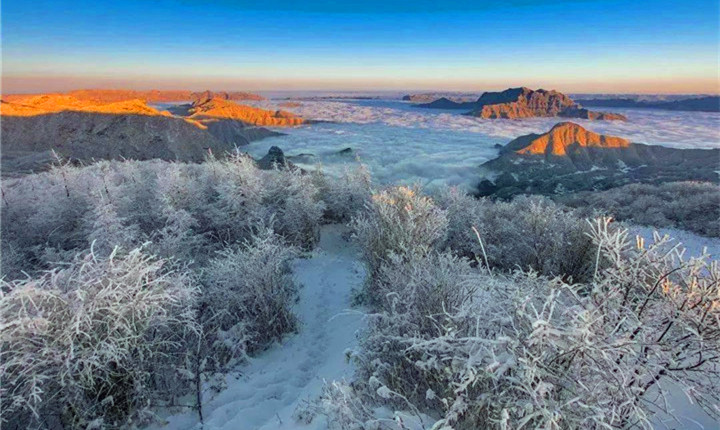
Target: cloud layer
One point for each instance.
(404, 144)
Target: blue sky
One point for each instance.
(605, 46)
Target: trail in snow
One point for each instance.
(278, 380)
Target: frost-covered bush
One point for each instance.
(247, 297)
(185, 214)
(535, 233)
(295, 206)
(416, 296)
(90, 345)
(464, 212)
(347, 195)
(693, 206)
(42, 214)
(526, 233)
(399, 221)
(526, 351)
(187, 211)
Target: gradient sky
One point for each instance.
(574, 46)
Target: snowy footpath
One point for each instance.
(289, 374)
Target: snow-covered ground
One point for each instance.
(277, 381)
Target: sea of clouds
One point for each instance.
(401, 143)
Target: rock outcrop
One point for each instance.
(582, 113)
(563, 139)
(523, 102)
(234, 96)
(570, 158)
(274, 159)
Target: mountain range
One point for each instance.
(522, 102)
(37, 127)
(697, 104)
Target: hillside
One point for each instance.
(86, 129)
(561, 139)
(570, 158)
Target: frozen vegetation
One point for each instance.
(220, 296)
(692, 206)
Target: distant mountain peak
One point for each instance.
(564, 135)
(523, 102)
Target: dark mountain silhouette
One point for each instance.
(698, 104)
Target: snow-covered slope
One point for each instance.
(278, 380)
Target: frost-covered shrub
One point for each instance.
(535, 233)
(416, 296)
(463, 213)
(398, 221)
(524, 351)
(693, 206)
(526, 233)
(91, 344)
(247, 298)
(40, 214)
(187, 211)
(347, 195)
(108, 230)
(295, 206)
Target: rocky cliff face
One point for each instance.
(571, 158)
(523, 102)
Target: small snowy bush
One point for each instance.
(93, 343)
(247, 298)
(346, 195)
(526, 233)
(295, 206)
(401, 221)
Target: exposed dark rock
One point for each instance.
(275, 158)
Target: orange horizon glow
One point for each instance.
(12, 84)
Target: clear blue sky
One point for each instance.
(604, 46)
